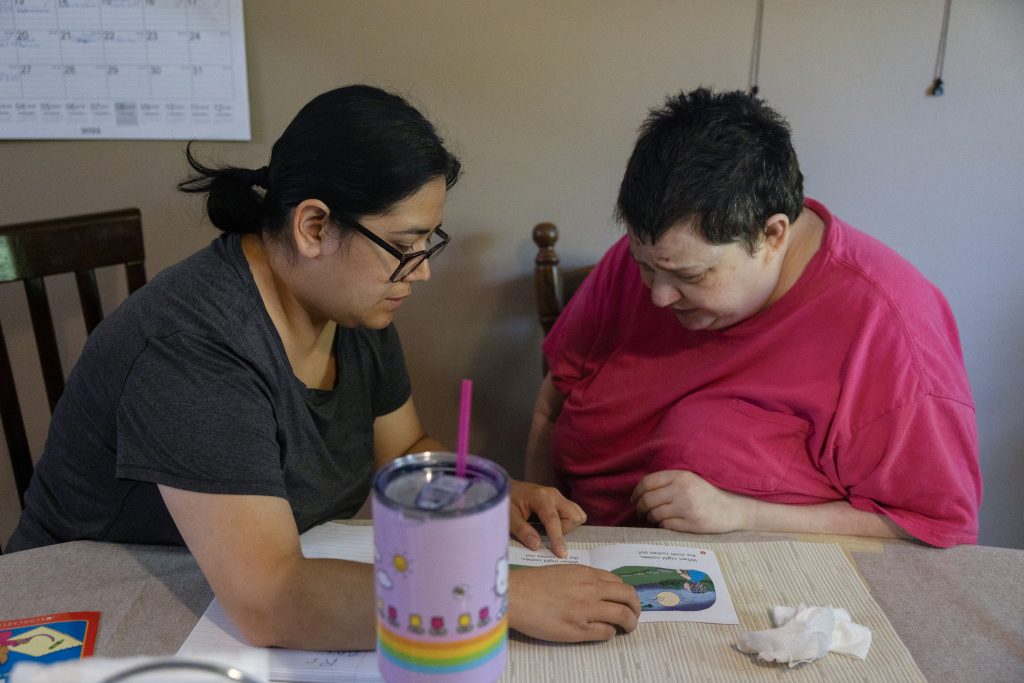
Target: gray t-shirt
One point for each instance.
(187, 384)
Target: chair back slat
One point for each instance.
(552, 286)
(89, 296)
(546, 282)
(14, 426)
(31, 251)
(136, 275)
(65, 245)
(46, 339)
(571, 281)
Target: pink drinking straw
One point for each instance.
(462, 449)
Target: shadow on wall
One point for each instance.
(509, 375)
(1001, 438)
(459, 325)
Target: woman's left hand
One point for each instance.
(558, 514)
(683, 501)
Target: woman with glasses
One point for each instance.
(248, 393)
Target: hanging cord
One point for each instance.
(936, 88)
(755, 54)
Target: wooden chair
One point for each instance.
(31, 251)
(552, 286)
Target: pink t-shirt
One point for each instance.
(851, 386)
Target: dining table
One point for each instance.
(954, 614)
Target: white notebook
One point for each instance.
(216, 633)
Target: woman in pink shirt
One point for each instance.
(742, 359)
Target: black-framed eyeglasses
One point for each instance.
(410, 261)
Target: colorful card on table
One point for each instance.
(674, 583)
(47, 639)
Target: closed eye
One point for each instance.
(424, 242)
(693, 279)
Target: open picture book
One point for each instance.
(673, 583)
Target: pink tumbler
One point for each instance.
(441, 561)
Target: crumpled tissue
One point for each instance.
(805, 633)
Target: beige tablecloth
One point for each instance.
(959, 612)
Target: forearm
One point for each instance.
(836, 517)
(248, 549)
(316, 604)
(538, 446)
(538, 452)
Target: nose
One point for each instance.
(421, 272)
(663, 293)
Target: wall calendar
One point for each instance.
(123, 69)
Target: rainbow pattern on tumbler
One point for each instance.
(442, 657)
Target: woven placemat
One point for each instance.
(759, 575)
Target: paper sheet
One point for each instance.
(215, 632)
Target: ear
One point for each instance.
(309, 227)
(776, 233)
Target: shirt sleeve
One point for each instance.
(577, 335)
(918, 465)
(195, 415)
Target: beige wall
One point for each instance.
(542, 100)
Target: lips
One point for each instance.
(688, 316)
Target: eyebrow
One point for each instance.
(688, 271)
(683, 271)
(417, 231)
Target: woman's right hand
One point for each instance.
(571, 603)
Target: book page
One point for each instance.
(339, 542)
(524, 557)
(674, 583)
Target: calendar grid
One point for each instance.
(123, 69)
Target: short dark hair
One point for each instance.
(724, 160)
(358, 149)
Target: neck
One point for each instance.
(307, 338)
(805, 238)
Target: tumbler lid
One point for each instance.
(425, 484)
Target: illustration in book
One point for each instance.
(673, 583)
(46, 639)
(660, 588)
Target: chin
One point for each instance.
(377, 321)
(374, 320)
